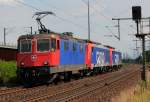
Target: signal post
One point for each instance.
(137, 17)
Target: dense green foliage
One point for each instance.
(7, 71)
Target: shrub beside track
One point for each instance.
(7, 72)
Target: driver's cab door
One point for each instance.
(55, 50)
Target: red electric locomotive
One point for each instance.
(49, 56)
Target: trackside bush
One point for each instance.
(7, 71)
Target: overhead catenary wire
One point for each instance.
(61, 18)
(66, 13)
(56, 8)
(69, 21)
(100, 13)
(107, 18)
(28, 5)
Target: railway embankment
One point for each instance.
(138, 93)
(100, 88)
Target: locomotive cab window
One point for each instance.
(25, 46)
(43, 45)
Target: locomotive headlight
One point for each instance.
(22, 63)
(53, 36)
(45, 62)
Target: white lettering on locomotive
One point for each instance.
(117, 59)
(100, 59)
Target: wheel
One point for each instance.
(67, 76)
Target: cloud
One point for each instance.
(9, 2)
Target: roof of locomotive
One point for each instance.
(63, 36)
(47, 35)
(36, 36)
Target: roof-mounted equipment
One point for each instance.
(39, 16)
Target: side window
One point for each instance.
(92, 49)
(58, 44)
(66, 45)
(74, 46)
(81, 47)
(53, 44)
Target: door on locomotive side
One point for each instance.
(55, 50)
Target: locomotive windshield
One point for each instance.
(25, 46)
(43, 45)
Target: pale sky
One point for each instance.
(16, 16)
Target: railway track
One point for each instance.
(107, 93)
(17, 92)
(102, 86)
(10, 90)
(70, 94)
(55, 93)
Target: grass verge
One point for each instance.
(7, 72)
(141, 94)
